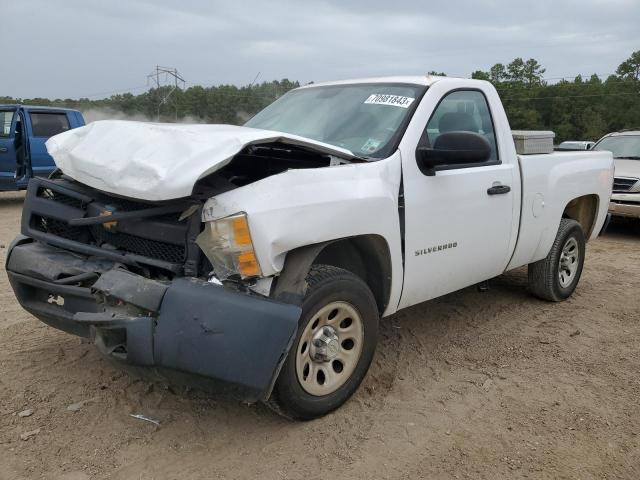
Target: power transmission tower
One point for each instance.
(170, 78)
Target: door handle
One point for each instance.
(4, 149)
(499, 190)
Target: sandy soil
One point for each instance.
(473, 385)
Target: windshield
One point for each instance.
(363, 118)
(622, 146)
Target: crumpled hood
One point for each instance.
(158, 161)
(627, 168)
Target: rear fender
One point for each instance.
(550, 183)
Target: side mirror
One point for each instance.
(453, 148)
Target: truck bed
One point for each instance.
(549, 182)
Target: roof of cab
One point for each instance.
(425, 80)
(35, 107)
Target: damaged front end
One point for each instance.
(130, 275)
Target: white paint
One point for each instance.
(538, 205)
(262, 286)
(307, 206)
(559, 178)
(476, 236)
(453, 206)
(425, 80)
(158, 161)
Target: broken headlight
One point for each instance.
(227, 244)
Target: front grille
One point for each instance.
(58, 228)
(163, 237)
(138, 245)
(623, 184)
(122, 204)
(96, 234)
(49, 194)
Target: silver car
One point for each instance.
(571, 145)
(625, 146)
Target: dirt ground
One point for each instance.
(473, 385)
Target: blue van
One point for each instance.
(23, 131)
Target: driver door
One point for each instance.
(457, 232)
(7, 149)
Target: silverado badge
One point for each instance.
(437, 248)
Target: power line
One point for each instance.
(254, 80)
(578, 75)
(253, 94)
(214, 84)
(570, 96)
(567, 86)
(532, 87)
(126, 90)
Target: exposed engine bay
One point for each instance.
(158, 162)
(153, 239)
(256, 162)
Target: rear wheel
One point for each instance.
(555, 277)
(334, 346)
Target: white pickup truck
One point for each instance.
(263, 256)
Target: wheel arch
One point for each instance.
(367, 256)
(583, 210)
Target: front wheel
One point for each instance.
(334, 346)
(555, 277)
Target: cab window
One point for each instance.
(48, 124)
(462, 110)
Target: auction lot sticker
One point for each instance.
(393, 100)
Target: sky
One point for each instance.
(92, 48)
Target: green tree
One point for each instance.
(497, 73)
(595, 80)
(630, 68)
(480, 75)
(584, 108)
(516, 71)
(533, 72)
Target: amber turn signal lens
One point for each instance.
(248, 264)
(241, 233)
(228, 246)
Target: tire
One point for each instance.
(555, 277)
(325, 367)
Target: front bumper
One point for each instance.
(622, 207)
(187, 324)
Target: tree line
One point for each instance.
(575, 109)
